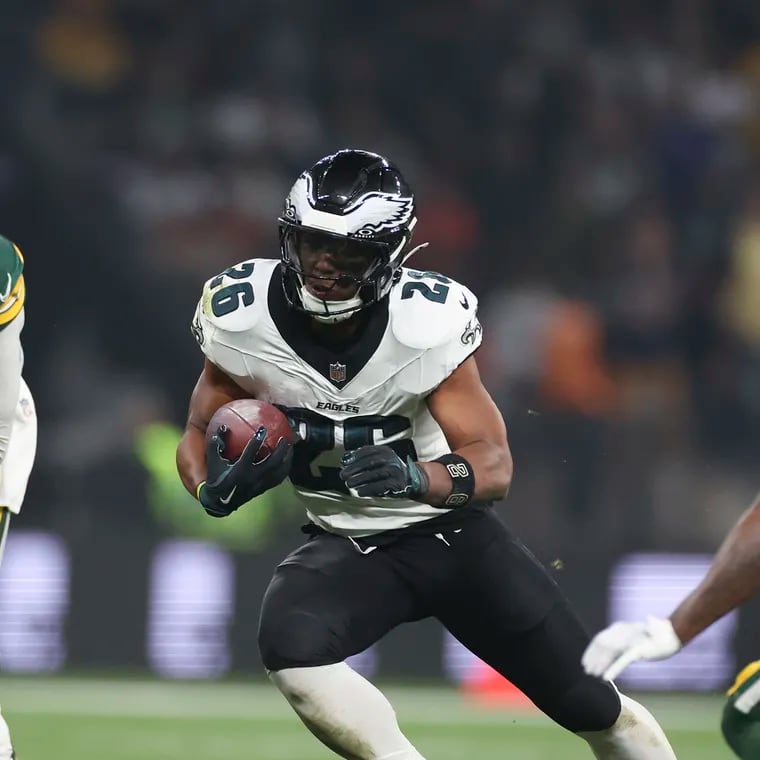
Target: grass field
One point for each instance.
(84, 719)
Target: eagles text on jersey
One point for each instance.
(12, 289)
(372, 392)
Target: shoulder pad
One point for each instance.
(234, 300)
(429, 310)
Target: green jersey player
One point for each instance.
(18, 423)
(733, 578)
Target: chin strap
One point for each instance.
(320, 309)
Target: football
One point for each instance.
(243, 418)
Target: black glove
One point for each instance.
(229, 485)
(379, 471)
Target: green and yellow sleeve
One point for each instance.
(12, 288)
(741, 714)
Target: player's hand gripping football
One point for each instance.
(612, 650)
(379, 471)
(229, 485)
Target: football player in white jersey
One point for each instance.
(18, 423)
(401, 453)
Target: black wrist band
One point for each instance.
(462, 480)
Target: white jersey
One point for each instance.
(19, 420)
(372, 392)
(17, 465)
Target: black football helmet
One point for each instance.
(351, 203)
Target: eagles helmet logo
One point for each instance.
(383, 212)
(370, 214)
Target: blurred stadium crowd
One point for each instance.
(591, 169)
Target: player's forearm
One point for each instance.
(733, 579)
(11, 360)
(491, 466)
(191, 458)
(213, 389)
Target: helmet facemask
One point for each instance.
(330, 276)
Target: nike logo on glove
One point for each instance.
(229, 496)
(464, 302)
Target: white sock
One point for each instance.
(635, 735)
(6, 750)
(345, 712)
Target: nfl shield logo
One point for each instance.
(337, 372)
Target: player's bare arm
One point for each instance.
(733, 578)
(475, 430)
(478, 469)
(213, 389)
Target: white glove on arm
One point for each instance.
(612, 650)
